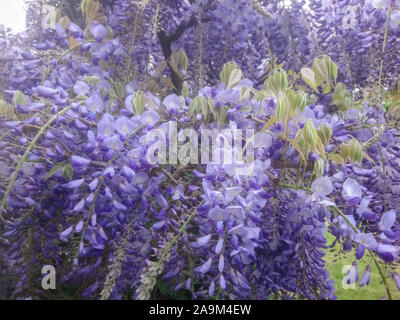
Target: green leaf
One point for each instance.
(310, 134)
(19, 98)
(308, 75)
(334, 70)
(226, 71)
(81, 97)
(321, 71)
(325, 133)
(139, 102)
(247, 109)
(53, 171)
(234, 78)
(297, 100)
(68, 172)
(319, 167)
(324, 69)
(276, 82)
(244, 93)
(282, 108)
(6, 110)
(92, 80)
(185, 89)
(183, 60)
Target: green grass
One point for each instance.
(336, 260)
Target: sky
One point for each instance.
(12, 14)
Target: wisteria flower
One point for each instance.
(353, 275)
(98, 31)
(322, 187)
(351, 191)
(366, 276)
(365, 241)
(387, 252)
(173, 104)
(95, 103)
(81, 88)
(113, 143)
(149, 118)
(124, 126)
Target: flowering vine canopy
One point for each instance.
(199, 148)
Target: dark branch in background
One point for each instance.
(166, 42)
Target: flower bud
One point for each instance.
(325, 133)
(310, 134)
(355, 151)
(319, 168)
(139, 102)
(282, 108)
(276, 82)
(19, 98)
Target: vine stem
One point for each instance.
(24, 157)
(176, 238)
(389, 11)
(294, 186)
(382, 276)
(370, 252)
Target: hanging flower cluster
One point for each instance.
(84, 104)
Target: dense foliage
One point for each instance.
(82, 88)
